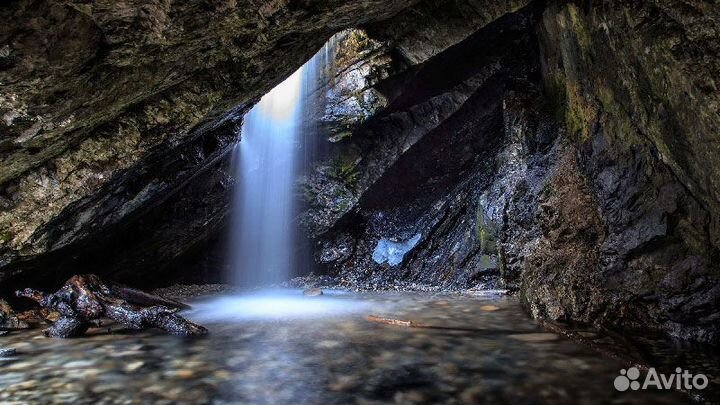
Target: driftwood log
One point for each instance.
(85, 299)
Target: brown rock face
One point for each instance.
(560, 278)
(8, 319)
(634, 84)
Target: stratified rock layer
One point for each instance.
(420, 168)
(595, 202)
(116, 114)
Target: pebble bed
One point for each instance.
(472, 349)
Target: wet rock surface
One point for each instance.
(4, 352)
(333, 359)
(637, 107)
(542, 172)
(412, 214)
(313, 292)
(9, 319)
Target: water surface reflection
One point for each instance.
(485, 350)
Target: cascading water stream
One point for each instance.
(279, 143)
(274, 148)
(264, 205)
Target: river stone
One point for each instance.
(134, 366)
(7, 352)
(313, 292)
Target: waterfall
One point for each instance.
(276, 145)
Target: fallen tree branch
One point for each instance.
(84, 299)
(420, 325)
(396, 322)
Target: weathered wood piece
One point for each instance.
(85, 299)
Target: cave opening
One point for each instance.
(452, 202)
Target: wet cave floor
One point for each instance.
(470, 348)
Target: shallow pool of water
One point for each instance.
(291, 349)
(280, 304)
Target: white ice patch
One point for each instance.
(393, 253)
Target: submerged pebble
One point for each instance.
(313, 292)
(7, 352)
(337, 358)
(134, 366)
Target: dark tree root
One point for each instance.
(67, 326)
(84, 299)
